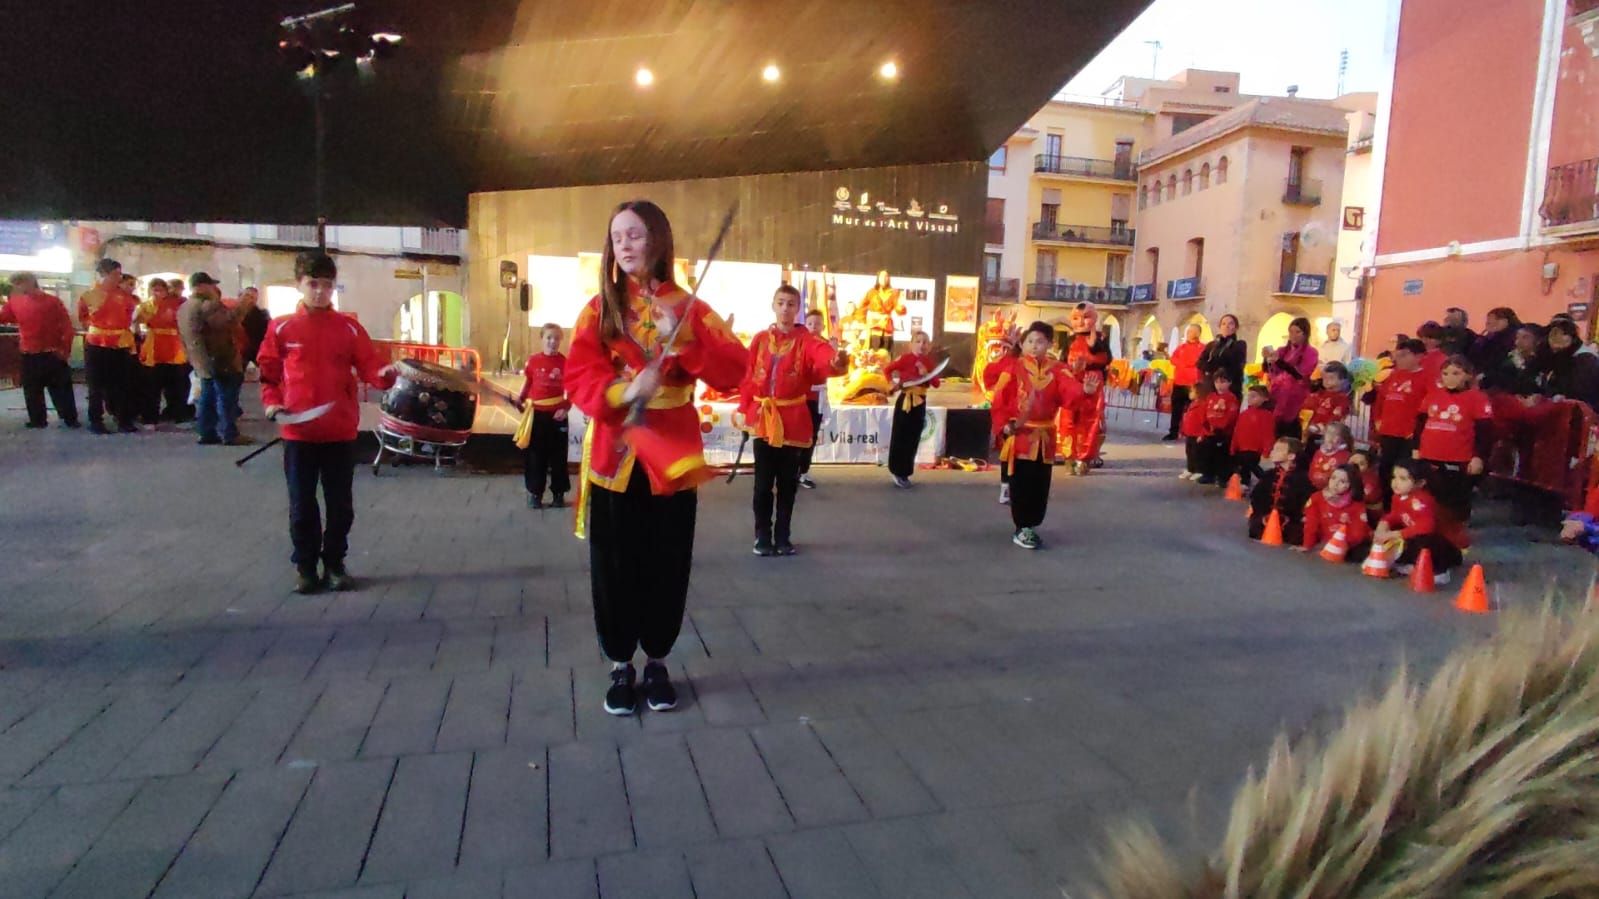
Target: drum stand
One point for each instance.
(440, 452)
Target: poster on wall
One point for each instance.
(850, 435)
(740, 290)
(960, 304)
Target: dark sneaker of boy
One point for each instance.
(338, 579)
(659, 694)
(306, 581)
(763, 546)
(622, 698)
(1027, 538)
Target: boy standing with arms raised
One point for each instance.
(309, 359)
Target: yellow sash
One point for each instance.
(772, 420)
(124, 335)
(1007, 450)
(911, 397)
(666, 398)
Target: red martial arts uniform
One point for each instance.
(542, 382)
(1255, 431)
(782, 370)
(1082, 422)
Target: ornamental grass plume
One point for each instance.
(1482, 783)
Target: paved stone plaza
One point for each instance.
(912, 707)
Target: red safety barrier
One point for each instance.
(10, 360)
(462, 359)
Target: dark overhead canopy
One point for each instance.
(180, 110)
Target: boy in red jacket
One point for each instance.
(1254, 434)
(308, 359)
(1395, 405)
(1456, 437)
(545, 457)
(910, 408)
(1192, 427)
(1221, 414)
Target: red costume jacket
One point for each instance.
(1323, 463)
(42, 320)
(1450, 434)
(782, 370)
(1323, 518)
(1193, 422)
(1087, 358)
(667, 441)
(313, 357)
(542, 382)
(909, 367)
(1413, 515)
(1031, 396)
(1255, 432)
(163, 345)
(1221, 413)
(108, 315)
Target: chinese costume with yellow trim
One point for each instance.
(1082, 423)
(876, 312)
(910, 411)
(783, 369)
(166, 362)
(637, 500)
(1029, 393)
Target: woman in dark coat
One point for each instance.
(1571, 374)
(1225, 353)
(1491, 350)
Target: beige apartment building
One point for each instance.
(1169, 202)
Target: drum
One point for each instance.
(430, 402)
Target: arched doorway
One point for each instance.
(1205, 333)
(434, 320)
(1149, 335)
(1111, 324)
(1274, 333)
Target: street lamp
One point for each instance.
(317, 45)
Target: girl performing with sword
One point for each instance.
(637, 351)
(786, 361)
(1032, 389)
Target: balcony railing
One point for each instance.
(295, 235)
(1571, 194)
(174, 229)
(1142, 293)
(1303, 192)
(1063, 292)
(1185, 289)
(1045, 163)
(1002, 289)
(1096, 234)
(432, 241)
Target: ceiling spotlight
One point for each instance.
(889, 70)
(771, 73)
(388, 37)
(643, 77)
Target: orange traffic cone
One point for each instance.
(1273, 534)
(1421, 579)
(1235, 489)
(1378, 562)
(1337, 547)
(1473, 596)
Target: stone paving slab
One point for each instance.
(911, 707)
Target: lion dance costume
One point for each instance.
(1082, 422)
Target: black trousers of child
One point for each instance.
(168, 384)
(545, 456)
(1247, 466)
(1191, 455)
(1390, 452)
(110, 372)
(1214, 459)
(777, 470)
(1180, 400)
(1029, 492)
(905, 437)
(814, 406)
(641, 551)
(1452, 488)
(306, 464)
(43, 372)
(1445, 555)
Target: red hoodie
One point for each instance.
(1255, 431)
(313, 357)
(1323, 518)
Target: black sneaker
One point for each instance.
(306, 581)
(71, 425)
(558, 500)
(783, 548)
(207, 441)
(33, 425)
(659, 694)
(621, 700)
(1168, 438)
(763, 546)
(96, 427)
(535, 502)
(338, 579)
(807, 482)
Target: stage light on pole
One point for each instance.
(771, 73)
(889, 71)
(643, 77)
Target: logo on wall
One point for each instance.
(851, 211)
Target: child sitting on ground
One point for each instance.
(1253, 435)
(1194, 431)
(1221, 413)
(1283, 488)
(1370, 484)
(1333, 453)
(1339, 506)
(1412, 524)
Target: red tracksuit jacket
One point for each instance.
(1323, 518)
(313, 357)
(1255, 431)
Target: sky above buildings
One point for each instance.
(1271, 42)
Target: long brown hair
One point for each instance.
(613, 281)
